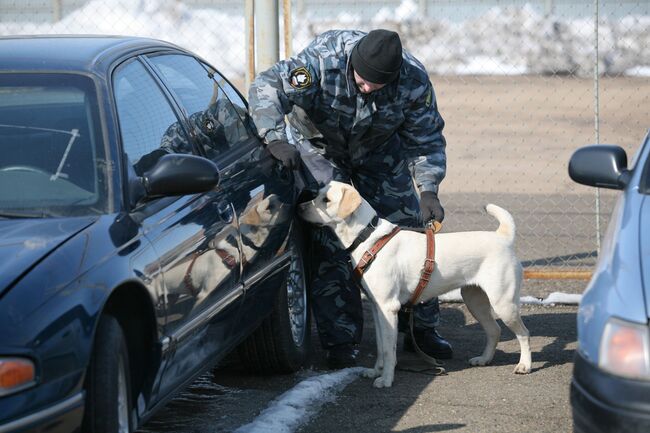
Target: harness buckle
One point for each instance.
(367, 261)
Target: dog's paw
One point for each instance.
(382, 382)
(479, 361)
(522, 368)
(371, 373)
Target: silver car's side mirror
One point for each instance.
(600, 165)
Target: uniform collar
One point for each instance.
(349, 77)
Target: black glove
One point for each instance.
(285, 153)
(430, 207)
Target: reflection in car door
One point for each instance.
(195, 237)
(261, 194)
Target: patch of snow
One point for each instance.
(639, 71)
(294, 408)
(563, 298)
(551, 299)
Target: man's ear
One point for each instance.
(350, 201)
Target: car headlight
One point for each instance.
(625, 349)
(16, 374)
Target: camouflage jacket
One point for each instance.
(317, 92)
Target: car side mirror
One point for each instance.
(600, 165)
(180, 174)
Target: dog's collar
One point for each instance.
(364, 235)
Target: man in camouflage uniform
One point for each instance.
(369, 109)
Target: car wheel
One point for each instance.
(283, 341)
(108, 384)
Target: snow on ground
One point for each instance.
(552, 299)
(503, 41)
(294, 408)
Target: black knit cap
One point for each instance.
(377, 56)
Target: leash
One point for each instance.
(429, 265)
(436, 368)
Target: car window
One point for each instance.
(148, 125)
(232, 94)
(219, 124)
(52, 160)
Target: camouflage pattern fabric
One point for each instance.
(379, 142)
(317, 92)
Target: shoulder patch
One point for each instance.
(300, 78)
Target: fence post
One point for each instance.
(549, 7)
(597, 114)
(423, 8)
(267, 33)
(286, 13)
(57, 10)
(249, 18)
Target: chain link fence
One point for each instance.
(520, 85)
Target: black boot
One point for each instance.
(342, 356)
(430, 342)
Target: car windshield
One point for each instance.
(52, 161)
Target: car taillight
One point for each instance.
(625, 349)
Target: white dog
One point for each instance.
(482, 263)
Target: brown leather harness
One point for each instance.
(427, 270)
(369, 256)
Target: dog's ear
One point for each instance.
(252, 217)
(350, 201)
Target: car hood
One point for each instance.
(23, 243)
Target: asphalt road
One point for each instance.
(478, 399)
(466, 399)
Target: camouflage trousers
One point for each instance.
(385, 181)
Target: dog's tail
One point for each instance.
(506, 221)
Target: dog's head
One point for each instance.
(339, 206)
(266, 212)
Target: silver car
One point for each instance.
(610, 389)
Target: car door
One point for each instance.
(261, 193)
(194, 236)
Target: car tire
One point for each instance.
(108, 384)
(282, 342)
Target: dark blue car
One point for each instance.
(144, 233)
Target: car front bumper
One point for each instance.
(605, 403)
(63, 417)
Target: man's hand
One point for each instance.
(284, 152)
(430, 207)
